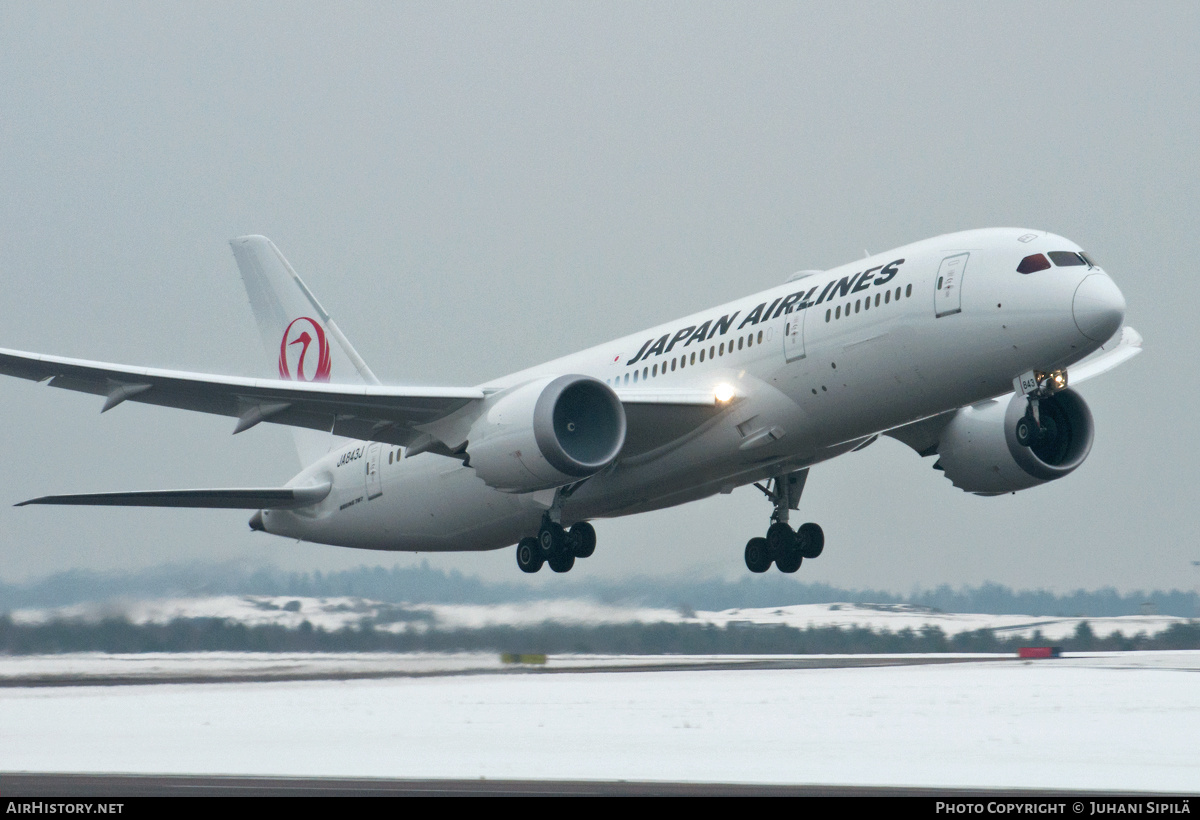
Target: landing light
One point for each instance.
(724, 392)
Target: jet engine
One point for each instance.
(547, 433)
(979, 452)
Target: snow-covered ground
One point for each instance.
(1119, 721)
(337, 613)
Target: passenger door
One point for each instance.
(374, 480)
(947, 298)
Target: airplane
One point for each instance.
(965, 347)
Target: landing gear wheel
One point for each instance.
(561, 561)
(552, 538)
(582, 539)
(781, 546)
(758, 558)
(1027, 431)
(529, 555)
(810, 540)
(789, 561)
(780, 540)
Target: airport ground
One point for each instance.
(1103, 723)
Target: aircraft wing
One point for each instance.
(274, 498)
(1126, 343)
(668, 397)
(658, 416)
(393, 415)
(1123, 346)
(370, 412)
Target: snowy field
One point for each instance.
(1119, 721)
(337, 613)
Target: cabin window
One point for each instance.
(908, 291)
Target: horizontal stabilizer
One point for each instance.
(269, 498)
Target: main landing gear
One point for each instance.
(784, 547)
(556, 546)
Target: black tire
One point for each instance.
(561, 561)
(810, 540)
(582, 539)
(758, 559)
(780, 540)
(790, 561)
(529, 555)
(552, 538)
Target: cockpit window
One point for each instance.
(1033, 264)
(1088, 259)
(1065, 259)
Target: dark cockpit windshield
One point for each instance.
(1062, 259)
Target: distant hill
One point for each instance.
(423, 584)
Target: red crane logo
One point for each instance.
(295, 344)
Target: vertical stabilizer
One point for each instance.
(301, 340)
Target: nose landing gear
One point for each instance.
(1037, 428)
(783, 546)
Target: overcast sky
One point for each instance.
(473, 188)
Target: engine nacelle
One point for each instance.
(547, 433)
(979, 451)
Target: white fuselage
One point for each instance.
(816, 374)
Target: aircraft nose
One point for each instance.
(1098, 307)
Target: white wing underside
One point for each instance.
(393, 415)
